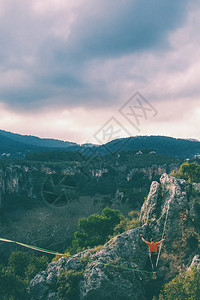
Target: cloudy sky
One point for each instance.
(70, 68)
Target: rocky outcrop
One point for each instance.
(119, 270)
(17, 180)
(154, 170)
(112, 272)
(175, 204)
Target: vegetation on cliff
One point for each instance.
(95, 229)
(188, 171)
(17, 273)
(185, 285)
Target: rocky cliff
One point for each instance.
(14, 181)
(21, 180)
(120, 269)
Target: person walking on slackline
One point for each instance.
(153, 251)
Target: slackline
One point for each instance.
(70, 256)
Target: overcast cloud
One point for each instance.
(59, 58)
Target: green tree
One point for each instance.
(15, 277)
(17, 263)
(95, 229)
(35, 265)
(11, 285)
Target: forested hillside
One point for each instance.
(19, 145)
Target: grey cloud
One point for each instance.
(102, 30)
(125, 27)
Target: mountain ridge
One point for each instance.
(37, 141)
(176, 147)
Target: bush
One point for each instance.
(95, 229)
(26, 266)
(127, 223)
(17, 263)
(35, 265)
(189, 172)
(12, 286)
(183, 286)
(15, 277)
(68, 285)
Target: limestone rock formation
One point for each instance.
(109, 273)
(173, 204)
(16, 181)
(181, 202)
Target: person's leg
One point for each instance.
(150, 257)
(153, 261)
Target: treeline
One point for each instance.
(55, 156)
(144, 158)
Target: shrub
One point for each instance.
(12, 286)
(68, 285)
(17, 263)
(15, 277)
(127, 223)
(183, 286)
(95, 229)
(35, 265)
(189, 172)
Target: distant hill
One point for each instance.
(180, 148)
(36, 141)
(11, 148)
(161, 144)
(15, 145)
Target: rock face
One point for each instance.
(173, 204)
(180, 201)
(101, 281)
(16, 181)
(154, 170)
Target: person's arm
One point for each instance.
(143, 239)
(162, 239)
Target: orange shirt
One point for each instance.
(153, 246)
